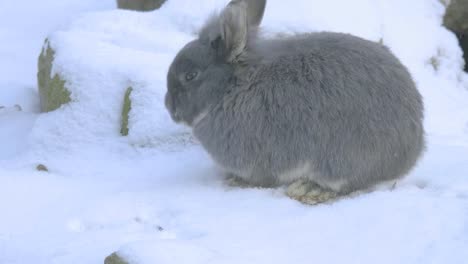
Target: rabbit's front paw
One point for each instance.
(310, 193)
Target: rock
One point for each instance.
(456, 19)
(127, 106)
(456, 16)
(114, 258)
(42, 167)
(99, 74)
(140, 5)
(52, 91)
(463, 40)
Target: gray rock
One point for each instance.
(41, 167)
(456, 19)
(456, 16)
(140, 5)
(463, 40)
(115, 258)
(52, 90)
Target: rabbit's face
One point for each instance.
(195, 82)
(199, 75)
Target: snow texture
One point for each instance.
(156, 196)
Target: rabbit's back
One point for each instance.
(339, 109)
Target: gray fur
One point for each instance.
(332, 108)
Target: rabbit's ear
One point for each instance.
(255, 11)
(236, 21)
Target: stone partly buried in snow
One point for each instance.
(140, 5)
(456, 19)
(456, 16)
(115, 258)
(52, 90)
(127, 106)
(87, 68)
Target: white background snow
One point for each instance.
(158, 198)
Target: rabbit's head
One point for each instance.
(199, 75)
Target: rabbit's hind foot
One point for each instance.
(233, 180)
(310, 193)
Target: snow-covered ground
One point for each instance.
(160, 200)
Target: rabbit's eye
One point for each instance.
(190, 76)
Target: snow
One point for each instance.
(156, 196)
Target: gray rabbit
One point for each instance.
(325, 113)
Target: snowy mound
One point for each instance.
(99, 57)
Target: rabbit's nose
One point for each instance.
(169, 102)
